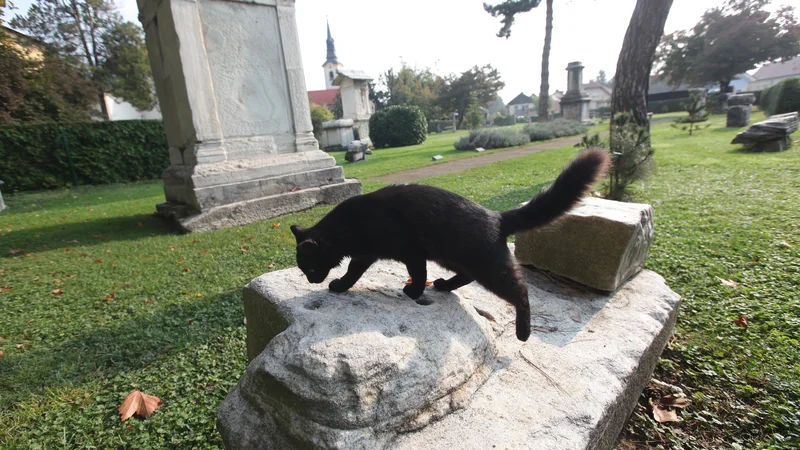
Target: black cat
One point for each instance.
(416, 223)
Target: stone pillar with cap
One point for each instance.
(575, 103)
(230, 83)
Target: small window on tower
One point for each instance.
(331, 74)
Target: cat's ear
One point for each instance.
(298, 231)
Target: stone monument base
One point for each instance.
(372, 369)
(248, 211)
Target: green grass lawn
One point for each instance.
(143, 308)
(390, 160)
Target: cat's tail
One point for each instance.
(568, 189)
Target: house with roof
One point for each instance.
(771, 74)
(522, 106)
(599, 94)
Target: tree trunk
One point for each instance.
(544, 90)
(632, 78)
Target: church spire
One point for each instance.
(331, 57)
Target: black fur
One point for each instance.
(416, 223)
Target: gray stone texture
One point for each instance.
(738, 116)
(575, 102)
(773, 134)
(372, 369)
(741, 99)
(600, 243)
(230, 83)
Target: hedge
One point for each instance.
(667, 106)
(542, 131)
(35, 157)
(398, 126)
(782, 98)
(492, 138)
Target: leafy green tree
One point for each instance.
(94, 32)
(601, 78)
(337, 109)
(729, 40)
(41, 87)
(508, 9)
(412, 87)
(474, 116)
(319, 114)
(484, 82)
(697, 114)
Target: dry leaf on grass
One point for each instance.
(186, 269)
(275, 225)
(180, 261)
(1, 353)
(728, 282)
(110, 297)
(665, 409)
(23, 345)
(5, 289)
(271, 266)
(138, 403)
(14, 251)
(250, 238)
(741, 321)
(57, 291)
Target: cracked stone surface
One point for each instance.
(373, 369)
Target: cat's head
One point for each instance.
(314, 257)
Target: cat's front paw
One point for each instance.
(413, 292)
(442, 285)
(338, 286)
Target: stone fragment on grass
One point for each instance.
(437, 158)
(600, 243)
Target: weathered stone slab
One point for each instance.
(772, 134)
(354, 156)
(738, 116)
(437, 158)
(600, 243)
(372, 369)
(741, 99)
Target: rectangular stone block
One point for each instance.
(600, 243)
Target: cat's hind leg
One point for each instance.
(506, 281)
(453, 283)
(356, 268)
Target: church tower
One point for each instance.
(331, 65)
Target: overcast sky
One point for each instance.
(450, 36)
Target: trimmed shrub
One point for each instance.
(491, 138)
(319, 114)
(398, 126)
(504, 121)
(782, 98)
(36, 156)
(543, 131)
(666, 106)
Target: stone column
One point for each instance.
(230, 83)
(575, 102)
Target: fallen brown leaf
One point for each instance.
(741, 321)
(729, 283)
(22, 345)
(14, 251)
(250, 238)
(57, 291)
(67, 249)
(5, 289)
(756, 259)
(195, 241)
(675, 400)
(56, 280)
(1, 353)
(180, 261)
(148, 302)
(110, 297)
(275, 225)
(138, 403)
(98, 261)
(205, 252)
(83, 255)
(2, 270)
(245, 248)
(186, 269)
(171, 248)
(271, 266)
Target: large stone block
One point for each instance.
(600, 243)
(738, 116)
(372, 369)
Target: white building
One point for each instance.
(771, 74)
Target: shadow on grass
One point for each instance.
(118, 348)
(87, 233)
